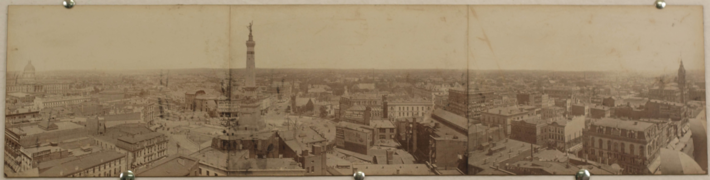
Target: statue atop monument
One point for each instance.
(249, 27)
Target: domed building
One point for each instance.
(28, 75)
(26, 82)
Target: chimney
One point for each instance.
(390, 157)
(317, 149)
(532, 151)
(304, 153)
(384, 107)
(367, 114)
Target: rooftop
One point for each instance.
(455, 119)
(393, 169)
(35, 129)
(623, 124)
(140, 137)
(170, 166)
(508, 111)
(81, 163)
(381, 124)
(125, 116)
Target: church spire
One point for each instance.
(682, 83)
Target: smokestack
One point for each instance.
(532, 151)
(390, 157)
(367, 114)
(317, 149)
(384, 106)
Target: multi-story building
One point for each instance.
(99, 164)
(140, 144)
(481, 136)
(528, 129)
(552, 112)
(579, 110)
(406, 108)
(697, 94)
(60, 101)
(442, 140)
(372, 100)
(143, 148)
(599, 111)
(634, 145)
(563, 103)
(470, 103)
(176, 165)
(383, 130)
(610, 102)
(666, 92)
(15, 157)
(502, 117)
(24, 115)
(533, 99)
(353, 138)
(664, 109)
(564, 133)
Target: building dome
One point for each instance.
(28, 75)
(29, 67)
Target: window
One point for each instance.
(383, 137)
(601, 144)
(392, 130)
(608, 145)
(641, 151)
(631, 149)
(623, 149)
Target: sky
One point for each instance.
(567, 38)
(586, 38)
(117, 37)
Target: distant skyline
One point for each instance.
(554, 38)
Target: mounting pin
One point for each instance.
(660, 4)
(128, 175)
(583, 174)
(359, 175)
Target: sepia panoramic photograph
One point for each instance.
(330, 90)
(616, 90)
